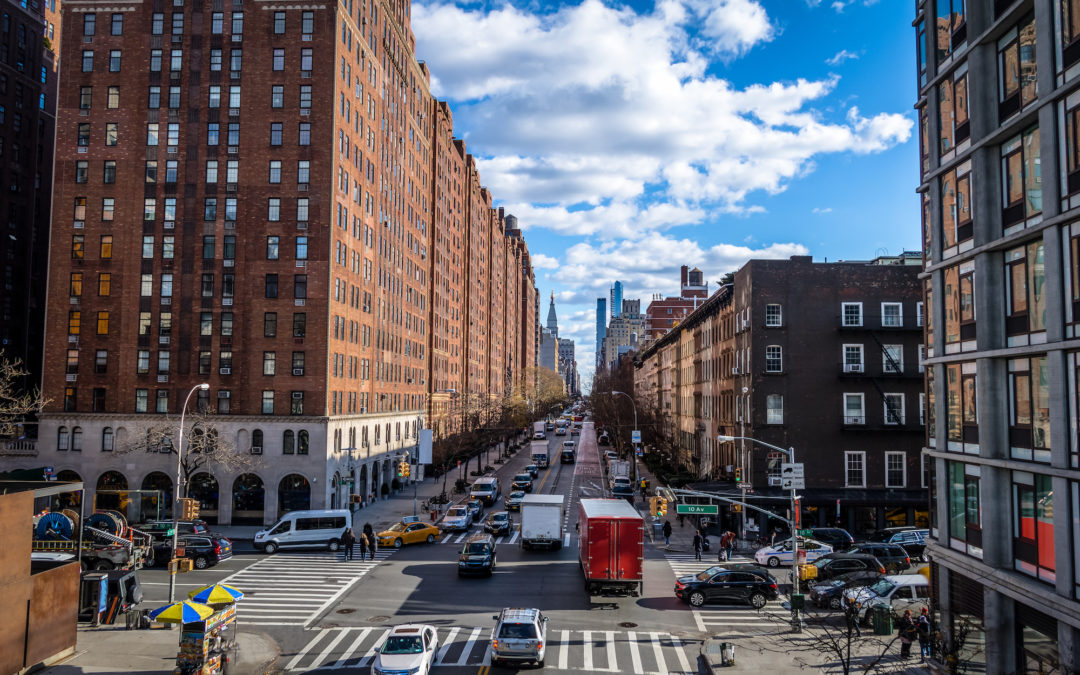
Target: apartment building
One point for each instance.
(998, 107)
(665, 312)
(299, 245)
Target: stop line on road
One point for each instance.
(641, 653)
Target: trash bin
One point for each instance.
(798, 601)
(658, 529)
(727, 654)
(881, 616)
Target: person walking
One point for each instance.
(371, 540)
(851, 614)
(667, 533)
(907, 634)
(348, 541)
(924, 627)
(363, 541)
(697, 544)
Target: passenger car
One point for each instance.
(457, 518)
(498, 522)
(623, 492)
(513, 500)
(561, 431)
(835, 564)
(477, 556)
(159, 529)
(408, 533)
(522, 481)
(893, 556)
(533, 470)
(476, 508)
(831, 593)
(520, 635)
(409, 648)
(836, 537)
(205, 550)
(911, 538)
(575, 431)
(719, 584)
(899, 591)
(781, 554)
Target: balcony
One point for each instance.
(19, 448)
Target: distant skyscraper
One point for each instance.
(616, 299)
(601, 328)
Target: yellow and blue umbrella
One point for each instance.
(181, 612)
(216, 594)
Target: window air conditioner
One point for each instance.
(297, 395)
(297, 371)
(775, 481)
(225, 371)
(256, 449)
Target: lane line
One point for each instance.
(611, 665)
(564, 650)
(699, 620)
(463, 660)
(586, 642)
(658, 653)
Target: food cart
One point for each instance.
(205, 644)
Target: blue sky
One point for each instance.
(630, 139)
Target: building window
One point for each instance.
(161, 401)
(299, 286)
(965, 508)
(1021, 178)
(855, 469)
(62, 439)
(277, 96)
(275, 171)
(279, 23)
(852, 313)
(88, 61)
(103, 323)
(1029, 409)
(224, 399)
(774, 359)
(301, 248)
(304, 134)
(774, 406)
(271, 285)
(1025, 291)
(773, 316)
(961, 410)
(101, 361)
(302, 438)
(1018, 73)
(1033, 525)
(275, 133)
(299, 324)
(854, 408)
(89, 24)
(895, 469)
(268, 405)
(269, 363)
(114, 60)
(297, 403)
(892, 315)
(959, 297)
(892, 359)
(303, 172)
(893, 408)
(298, 363)
(853, 358)
(952, 27)
(953, 110)
(270, 324)
(142, 400)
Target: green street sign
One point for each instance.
(697, 509)
(805, 533)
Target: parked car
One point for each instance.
(533, 470)
(204, 550)
(839, 538)
(476, 508)
(520, 636)
(835, 564)
(477, 556)
(911, 538)
(623, 492)
(457, 519)
(408, 533)
(621, 480)
(719, 584)
(160, 529)
(603, 439)
(513, 500)
(831, 593)
(498, 522)
(781, 553)
(892, 556)
(899, 591)
(409, 648)
(522, 481)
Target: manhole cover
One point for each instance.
(378, 619)
(627, 624)
(346, 611)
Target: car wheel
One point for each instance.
(774, 562)
(201, 562)
(431, 539)
(697, 598)
(757, 600)
(270, 547)
(925, 557)
(540, 663)
(102, 565)
(834, 603)
(333, 545)
(398, 542)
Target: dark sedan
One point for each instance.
(513, 501)
(498, 523)
(204, 550)
(522, 481)
(831, 593)
(835, 564)
(719, 584)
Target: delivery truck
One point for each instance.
(538, 431)
(538, 451)
(611, 547)
(542, 521)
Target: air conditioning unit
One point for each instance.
(73, 339)
(256, 449)
(234, 112)
(297, 371)
(170, 224)
(299, 302)
(164, 339)
(226, 302)
(228, 262)
(301, 225)
(238, 37)
(79, 224)
(852, 367)
(304, 112)
(301, 263)
(225, 371)
(71, 377)
(234, 75)
(297, 395)
(230, 187)
(734, 371)
(224, 394)
(775, 481)
(306, 37)
(166, 301)
(162, 378)
(233, 150)
(74, 299)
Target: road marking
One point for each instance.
(352, 648)
(514, 538)
(683, 663)
(303, 652)
(611, 658)
(486, 661)
(585, 640)
(635, 657)
(697, 618)
(446, 645)
(564, 650)
(658, 653)
(326, 652)
(370, 655)
(566, 538)
(463, 660)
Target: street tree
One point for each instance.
(17, 404)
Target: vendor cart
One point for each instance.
(205, 645)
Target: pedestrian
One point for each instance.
(924, 627)
(682, 520)
(363, 541)
(907, 634)
(371, 540)
(724, 553)
(667, 533)
(697, 544)
(349, 539)
(852, 616)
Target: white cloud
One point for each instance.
(821, 210)
(841, 56)
(598, 120)
(541, 261)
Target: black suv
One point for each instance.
(892, 556)
(477, 556)
(498, 522)
(831, 593)
(719, 584)
(522, 481)
(834, 564)
(162, 529)
(840, 539)
(913, 539)
(205, 550)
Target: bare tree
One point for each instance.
(204, 445)
(16, 404)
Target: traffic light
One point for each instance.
(189, 509)
(402, 469)
(738, 474)
(654, 505)
(661, 509)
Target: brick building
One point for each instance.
(664, 313)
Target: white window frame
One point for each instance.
(774, 415)
(898, 356)
(843, 313)
(885, 408)
(920, 315)
(903, 469)
(780, 357)
(853, 419)
(848, 456)
(922, 409)
(779, 315)
(923, 483)
(859, 367)
(900, 317)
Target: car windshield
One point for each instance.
(457, 511)
(517, 495)
(499, 517)
(398, 527)
(821, 562)
(523, 477)
(402, 644)
(883, 588)
(478, 548)
(708, 574)
(519, 631)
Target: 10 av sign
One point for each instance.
(696, 509)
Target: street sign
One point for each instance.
(805, 533)
(639, 451)
(792, 470)
(793, 483)
(697, 509)
(635, 436)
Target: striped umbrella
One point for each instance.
(181, 612)
(216, 594)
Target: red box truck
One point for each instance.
(611, 546)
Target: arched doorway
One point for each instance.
(294, 494)
(249, 499)
(335, 484)
(157, 501)
(204, 488)
(68, 500)
(112, 492)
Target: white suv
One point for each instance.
(519, 636)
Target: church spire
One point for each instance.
(552, 320)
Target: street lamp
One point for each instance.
(790, 452)
(634, 404)
(176, 497)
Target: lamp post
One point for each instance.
(633, 459)
(796, 626)
(176, 497)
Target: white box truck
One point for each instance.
(538, 451)
(618, 469)
(542, 521)
(538, 431)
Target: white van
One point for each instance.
(306, 529)
(486, 489)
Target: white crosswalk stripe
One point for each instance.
(640, 653)
(294, 588)
(512, 538)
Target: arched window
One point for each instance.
(302, 442)
(287, 442)
(76, 439)
(62, 438)
(107, 439)
(256, 438)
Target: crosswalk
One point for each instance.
(637, 652)
(512, 538)
(730, 618)
(292, 589)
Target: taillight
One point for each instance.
(772, 586)
(907, 560)
(882, 570)
(495, 645)
(217, 549)
(539, 646)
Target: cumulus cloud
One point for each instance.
(541, 261)
(841, 56)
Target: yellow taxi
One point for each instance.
(408, 533)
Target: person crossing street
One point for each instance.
(348, 541)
